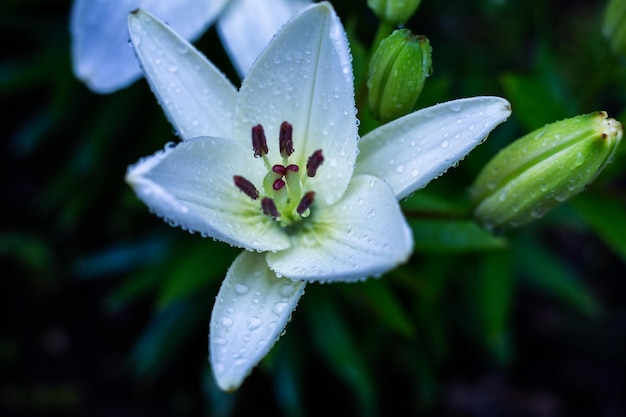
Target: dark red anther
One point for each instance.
(259, 143)
(278, 184)
(292, 168)
(314, 162)
(269, 208)
(285, 139)
(305, 202)
(246, 186)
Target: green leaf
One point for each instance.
(380, 299)
(555, 277)
(195, 267)
(168, 329)
(332, 338)
(437, 235)
(607, 217)
(493, 296)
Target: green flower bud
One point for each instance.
(397, 73)
(614, 26)
(543, 169)
(394, 11)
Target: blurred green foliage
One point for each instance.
(105, 308)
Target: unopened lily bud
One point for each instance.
(543, 169)
(614, 25)
(394, 11)
(397, 73)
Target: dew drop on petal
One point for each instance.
(226, 322)
(280, 307)
(254, 323)
(241, 289)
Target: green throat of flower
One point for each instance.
(284, 198)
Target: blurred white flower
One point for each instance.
(104, 61)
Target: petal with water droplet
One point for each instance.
(304, 77)
(191, 185)
(428, 141)
(349, 240)
(255, 319)
(197, 98)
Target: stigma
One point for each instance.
(284, 196)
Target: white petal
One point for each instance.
(252, 308)
(412, 150)
(191, 185)
(197, 98)
(304, 77)
(100, 51)
(364, 234)
(247, 26)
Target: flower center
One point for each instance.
(284, 198)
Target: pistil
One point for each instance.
(283, 184)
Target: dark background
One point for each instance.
(104, 308)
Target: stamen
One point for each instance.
(269, 208)
(279, 169)
(314, 162)
(292, 168)
(285, 139)
(246, 186)
(278, 184)
(306, 202)
(259, 143)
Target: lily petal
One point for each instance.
(100, 52)
(197, 98)
(247, 26)
(252, 308)
(412, 150)
(364, 234)
(191, 185)
(304, 77)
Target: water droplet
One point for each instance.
(371, 214)
(220, 341)
(415, 172)
(226, 322)
(172, 68)
(241, 289)
(280, 308)
(445, 144)
(456, 106)
(254, 323)
(286, 290)
(400, 168)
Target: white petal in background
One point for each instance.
(252, 308)
(101, 55)
(247, 26)
(409, 152)
(197, 98)
(192, 186)
(364, 234)
(304, 77)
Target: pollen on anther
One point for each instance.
(306, 202)
(246, 186)
(314, 162)
(285, 139)
(292, 168)
(259, 143)
(269, 208)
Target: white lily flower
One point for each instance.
(102, 58)
(293, 200)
